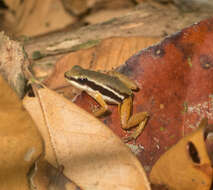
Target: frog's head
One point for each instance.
(75, 73)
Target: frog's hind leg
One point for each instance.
(128, 122)
(123, 78)
(137, 131)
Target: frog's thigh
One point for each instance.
(128, 82)
(97, 96)
(136, 119)
(125, 111)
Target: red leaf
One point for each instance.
(175, 79)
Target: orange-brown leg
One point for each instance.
(101, 102)
(128, 122)
(137, 132)
(125, 111)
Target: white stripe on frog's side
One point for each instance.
(91, 91)
(105, 87)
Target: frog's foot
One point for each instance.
(135, 134)
(128, 139)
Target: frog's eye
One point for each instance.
(76, 68)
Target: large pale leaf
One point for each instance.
(92, 156)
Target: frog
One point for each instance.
(110, 88)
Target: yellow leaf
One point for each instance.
(21, 144)
(186, 165)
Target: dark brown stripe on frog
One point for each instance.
(102, 90)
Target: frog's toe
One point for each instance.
(127, 139)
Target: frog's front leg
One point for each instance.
(128, 122)
(97, 96)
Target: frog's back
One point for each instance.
(109, 81)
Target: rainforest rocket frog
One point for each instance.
(111, 87)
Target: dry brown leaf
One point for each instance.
(36, 17)
(21, 144)
(186, 165)
(110, 53)
(92, 156)
(11, 62)
(79, 7)
(76, 7)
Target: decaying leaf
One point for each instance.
(186, 165)
(11, 60)
(92, 156)
(21, 144)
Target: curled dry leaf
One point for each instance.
(21, 144)
(186, 165)
(92, 156)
